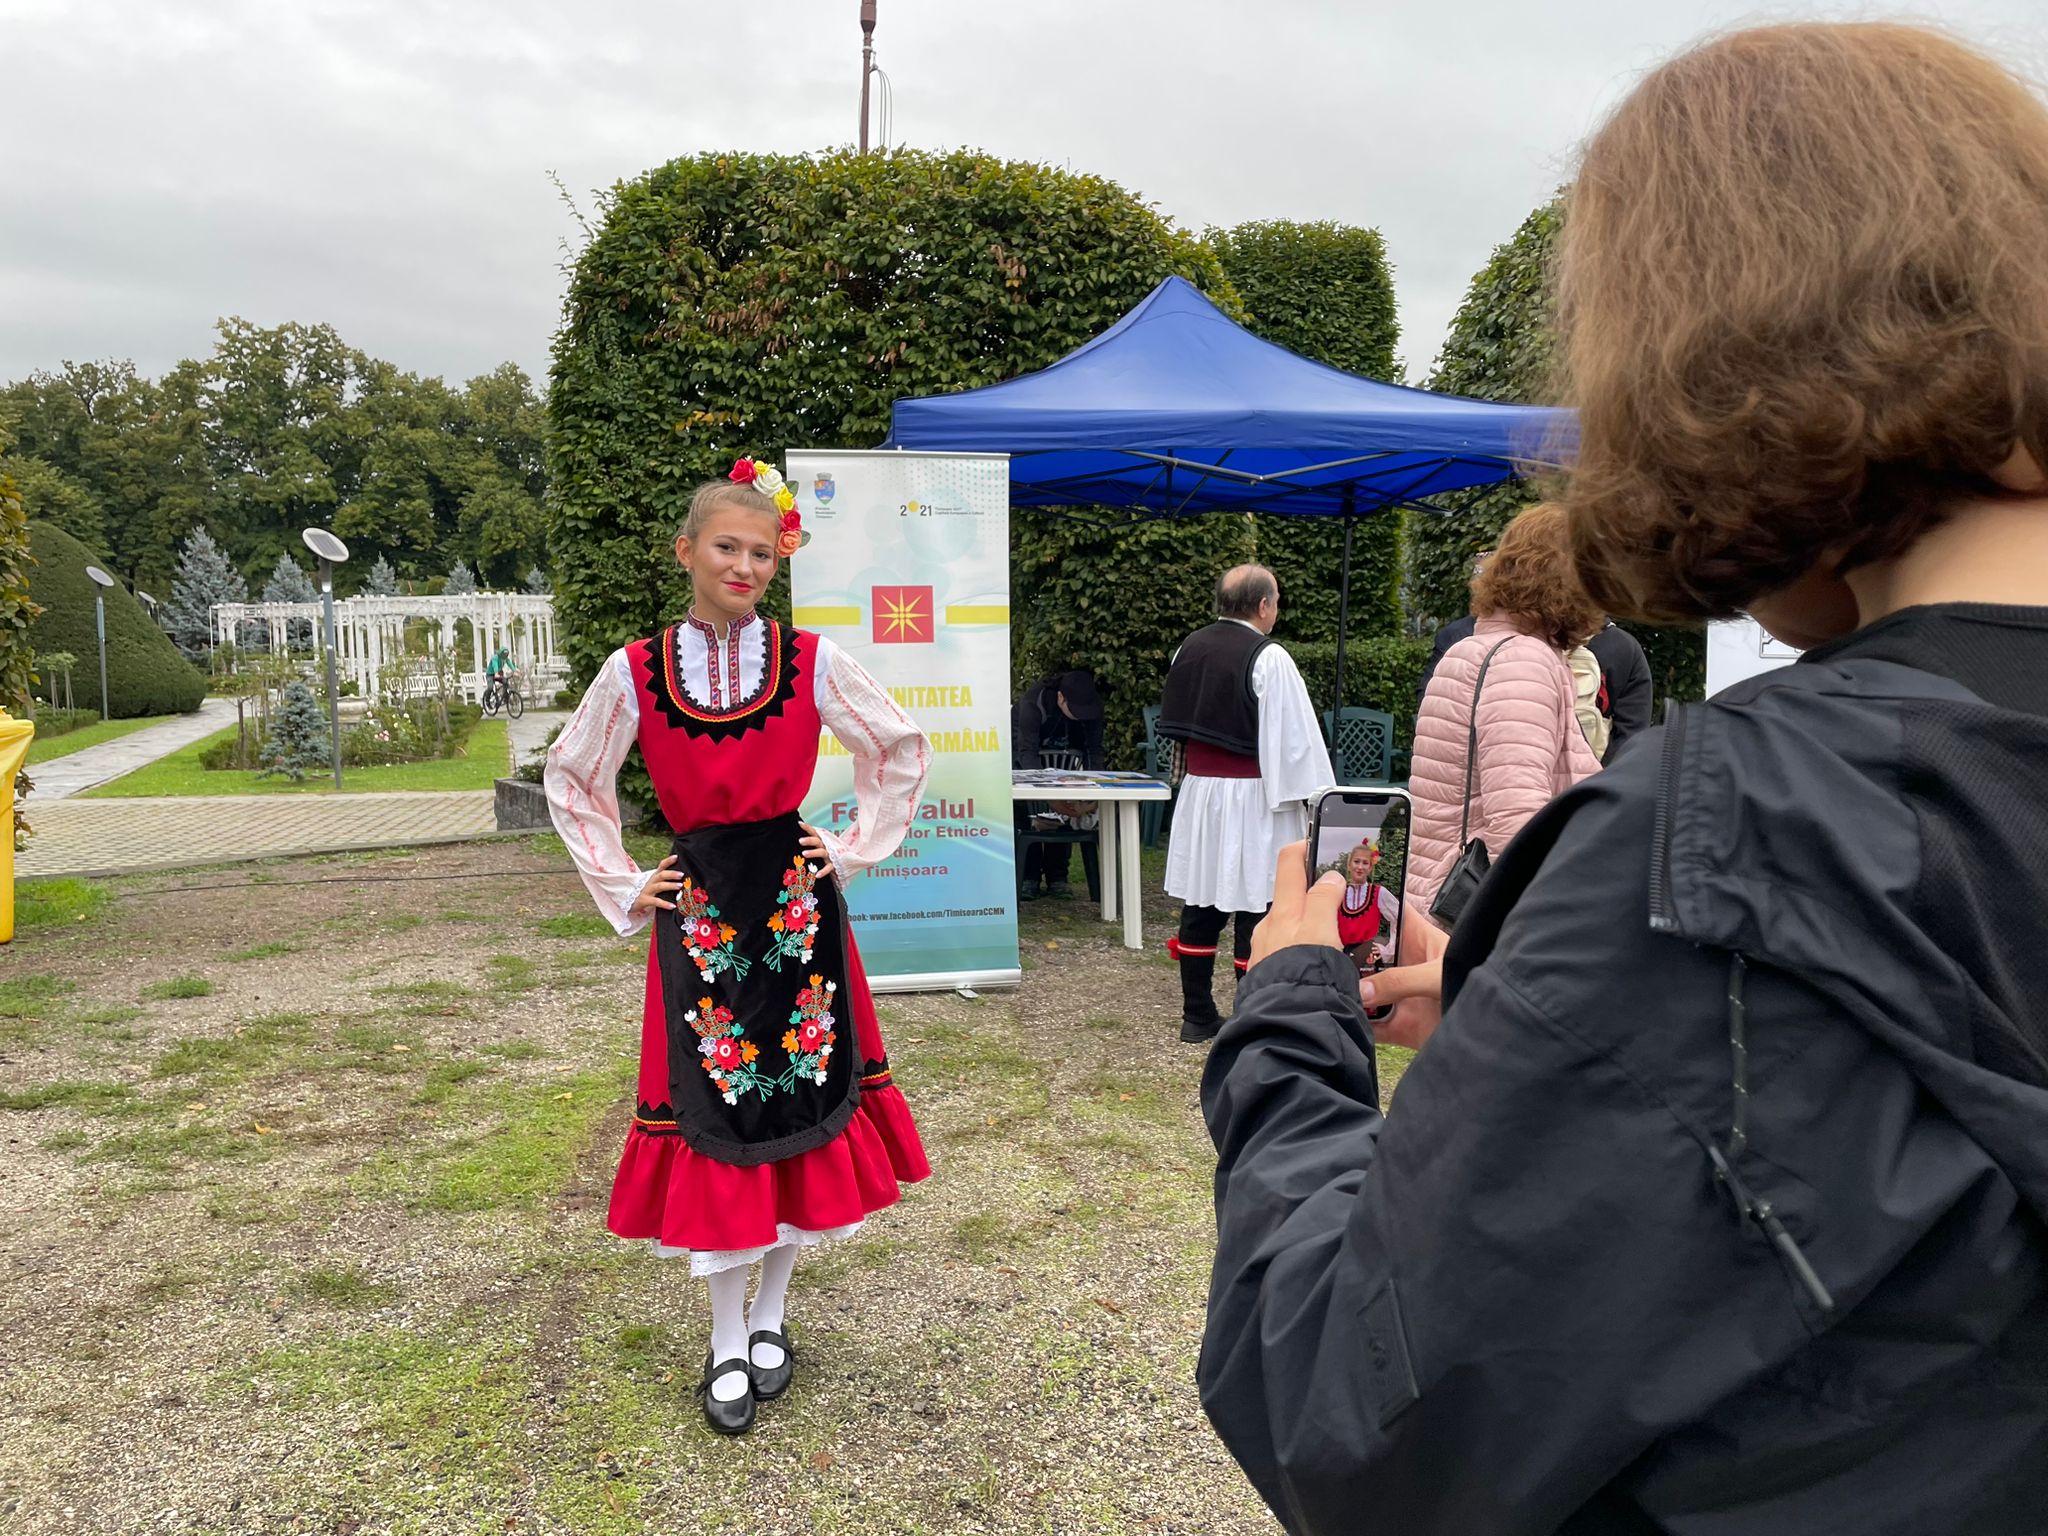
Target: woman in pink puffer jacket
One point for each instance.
(1531, 610)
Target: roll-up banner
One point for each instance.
(908, 571)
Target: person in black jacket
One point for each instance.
(1717, 1200)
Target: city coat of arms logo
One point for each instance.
(823, 488)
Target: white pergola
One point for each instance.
(369, 631)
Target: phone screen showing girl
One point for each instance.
(1363, 836)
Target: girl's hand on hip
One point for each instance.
(813, 847)
(664, 881)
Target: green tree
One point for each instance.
(1326, 291)
(411, 482)
(1499, 348)
(734, 304)
(205, 576)
(285, 448)
(278, 428)
(297, 739)
(502, 521)
(289, 583)
(51, 496)
(382, 581)
(108, 456)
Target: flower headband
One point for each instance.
(765, 479)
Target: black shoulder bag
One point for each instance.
(1463, 882)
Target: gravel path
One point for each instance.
(320, 1248)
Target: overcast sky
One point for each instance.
(383, 165)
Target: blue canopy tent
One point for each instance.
(1177, 410)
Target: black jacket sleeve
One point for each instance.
(1086, 736)
(1027, 726)
(1473, 1315)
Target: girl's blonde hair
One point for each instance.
(713, 494)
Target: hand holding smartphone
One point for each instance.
(1362, 834)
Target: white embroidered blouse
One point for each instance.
(891, 756)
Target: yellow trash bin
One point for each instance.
(14, 739)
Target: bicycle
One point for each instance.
(499, 692)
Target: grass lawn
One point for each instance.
(485, 759)
(42, 750)
(318, 1233)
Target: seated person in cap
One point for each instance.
(1057, 722)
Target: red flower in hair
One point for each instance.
(742, 471)
(792, 520)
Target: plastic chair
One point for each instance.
(1154, 815)
(1362, 749)
(1090, 842)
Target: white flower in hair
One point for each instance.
(767, 479)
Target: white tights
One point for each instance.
(731, 1321)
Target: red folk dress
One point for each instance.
(728, 725)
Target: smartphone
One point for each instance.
(1362, 834)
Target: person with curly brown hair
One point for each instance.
(1507, 689)
(1716, 1200)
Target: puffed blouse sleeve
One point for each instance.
(891, 760)
(583, 794)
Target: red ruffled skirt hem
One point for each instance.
(683, 1199)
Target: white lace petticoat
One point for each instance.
(709, 1262)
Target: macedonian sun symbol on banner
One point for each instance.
(903, 615)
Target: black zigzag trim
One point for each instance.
(777, 690)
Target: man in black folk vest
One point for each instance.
(1253, 754)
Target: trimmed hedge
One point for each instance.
(145, 673)
(18, 609)
(17, 618)
(732, 304)
(1117, 601)
(1499, 348)
(1325, 291)
(1380, 672)
(735, 304)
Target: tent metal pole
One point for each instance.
(1343, 619)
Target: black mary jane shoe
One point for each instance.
(770, 1381)
(737, 1416)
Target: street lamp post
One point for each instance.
(101, 580)
(867, 64)
(330, 552)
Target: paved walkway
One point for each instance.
(529, 733)
(111, 837)
(75, 772)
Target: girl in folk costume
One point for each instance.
(766, 1120)
(1369, 915)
